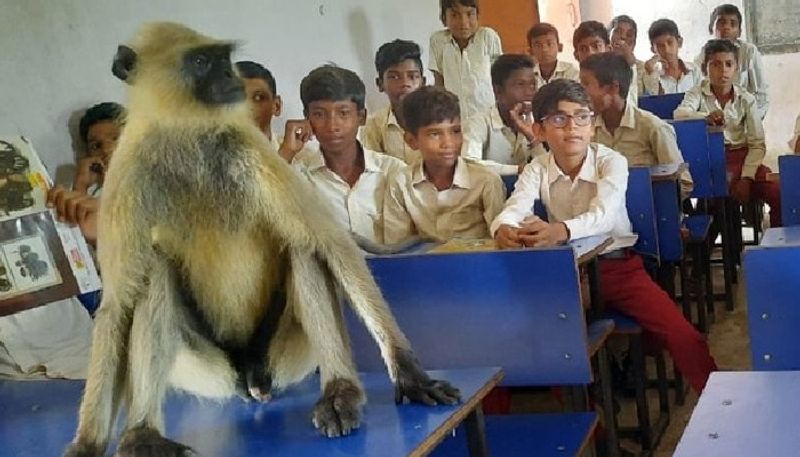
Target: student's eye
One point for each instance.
(393, 77)
(258, 97)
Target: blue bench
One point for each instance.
(789, 166)
(661, 105)
(519, 309)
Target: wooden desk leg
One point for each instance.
(593, 271)
(476, 433)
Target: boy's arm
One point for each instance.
(665, 145)
(610, 199)
(520, 204)
(757, 79)
(756, 149)
(494, 196)
(397, 223)
(493, 43)
(571, 72)
(690, 107)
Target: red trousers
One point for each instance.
(764, 190)
(626, 287)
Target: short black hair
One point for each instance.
(663, 27)
(542, 29)
(332, 83)
(428, 105)
(590, 29)
(714, 46)
(445, 4)
(395, 52)
(505, 64)
(101, 112)
(608, 67)
(253, 70)
(726, 9)
(624, 19)
(546, 100)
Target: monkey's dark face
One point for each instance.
(210, 72)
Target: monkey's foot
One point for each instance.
(259, 384)
(147, 442)
(413, 383)
(82, 450)
(338, 412)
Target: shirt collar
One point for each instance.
(461, 178)
(316, 160)
(588, 171)
(495, 120)
(705, 87)
(391, 119)
(628, 118)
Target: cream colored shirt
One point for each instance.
(643, 139)
(658, 83)
(793, 141)
(637, 82)
(382, 133)
(466, 73)
(743, 127)
(752, 75)
(413, 205)
(591, 204)
(358, 208)
(488, 141)
(564, 70)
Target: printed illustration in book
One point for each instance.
(41, 260)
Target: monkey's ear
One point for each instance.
(124, 62)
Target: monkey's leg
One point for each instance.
(338, 412)
(257, 374)
(155, 337)
(105, 381)
(349, 268)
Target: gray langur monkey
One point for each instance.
(202, 230)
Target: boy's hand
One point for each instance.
(652, 65)
(507, 237)
(522, 118)
(716, 118)
(295, 135)
(741, 190)
(76, 208)
(540, 233)
(90, 171)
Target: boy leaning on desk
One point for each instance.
(582, 186)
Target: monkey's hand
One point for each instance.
(259, 381)
(413, 383)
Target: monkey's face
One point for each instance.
(209, 71)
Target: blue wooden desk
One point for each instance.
(789, 166)
(771, 272)
(745, 414)
(661, 105)
(38, 418)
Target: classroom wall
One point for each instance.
(56, 56)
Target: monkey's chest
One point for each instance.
(231, 276)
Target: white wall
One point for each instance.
(692, 19)
(56, 57)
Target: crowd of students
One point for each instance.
(430, 163)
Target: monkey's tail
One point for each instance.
(371, 247)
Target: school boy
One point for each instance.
(544, 46)
(640, 136)
(461, 55)
(623, 31)
(723, 103)
(725, 23)
(494, 138)
(350, 177)
(399, 68)
(666, 72)
(582, 186)
(442, 196)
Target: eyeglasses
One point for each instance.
(560, 120)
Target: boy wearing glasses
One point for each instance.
(582, 185)
(640, 136)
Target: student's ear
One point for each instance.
(498, 90)
(424, 81)
(575, 54)
(653, 48)
(680, 41)
(362, 117)
(613, 88)
(560, 47)
(379, 83)
(538, 130)
(277, 106)
(411, 140)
